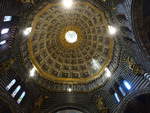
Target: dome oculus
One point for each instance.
(71, 37)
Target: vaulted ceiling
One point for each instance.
(66, 57)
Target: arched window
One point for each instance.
(4, 31)
(10, 84)
(16, 91)
(147, 76)
(122, 91)
(21, 97)
(124, 87)
(7, 18)
(117, 97)
(2, 42)
(126, 84)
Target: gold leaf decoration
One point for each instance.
(101, 105)
(133, 66)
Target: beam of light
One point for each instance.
(112, 30)
(67, 3)
(27, 31)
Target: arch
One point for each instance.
(131, 98)
(68, 110)
(67, 107)
(139, 105)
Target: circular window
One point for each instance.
(71, 37)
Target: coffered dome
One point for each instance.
(69, 46)
(74, 56)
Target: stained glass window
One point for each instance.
(7, 18)
(117, 97)
(2, 42)
(16, 91)
(122, 91)
(127, 85)
(10, 84)
(4, 31)
(21, 97)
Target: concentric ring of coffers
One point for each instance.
(80, 62)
